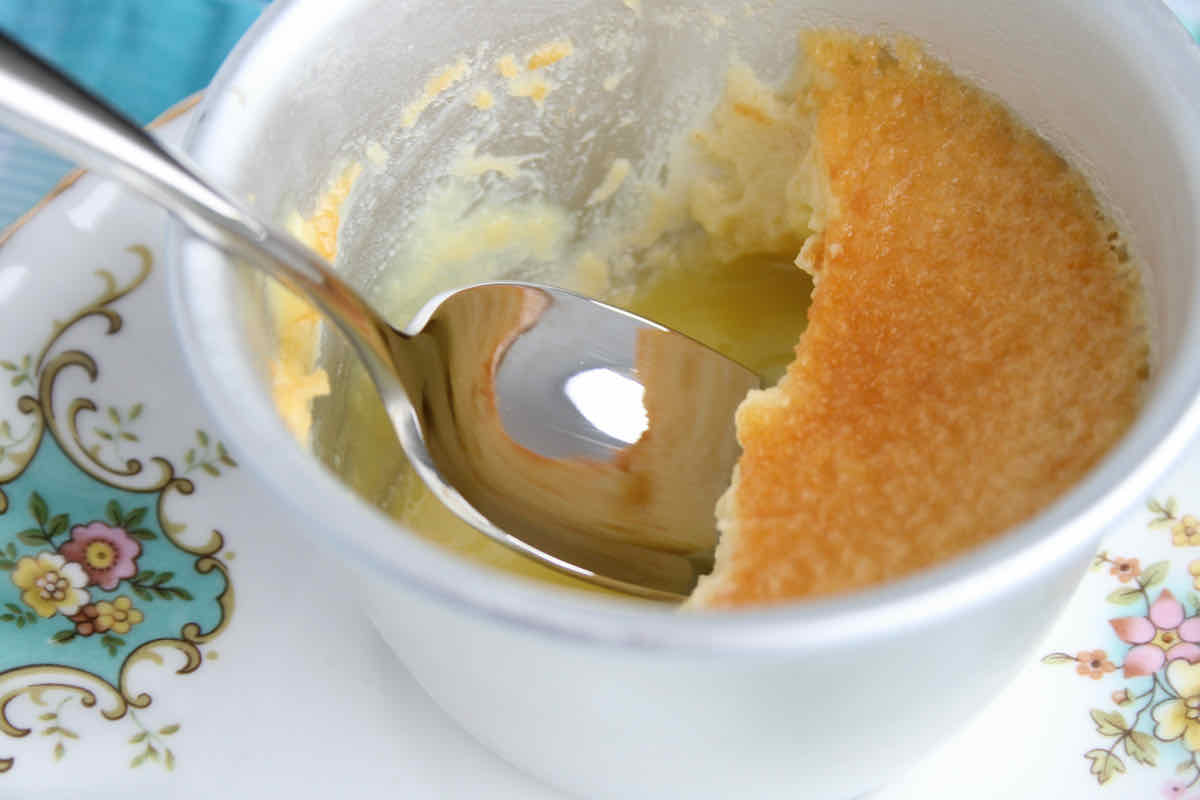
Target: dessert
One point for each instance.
(975, 342)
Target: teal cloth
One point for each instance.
(140, 55)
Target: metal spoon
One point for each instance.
(584, 437)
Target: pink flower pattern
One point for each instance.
(1162, 635)
(1161, 711)
(108, 555)
(1177, 790)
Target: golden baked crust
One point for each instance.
(975, 340)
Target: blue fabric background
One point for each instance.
(141, 55)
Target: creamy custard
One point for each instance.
(976, 340)
(752, 309)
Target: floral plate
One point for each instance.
(161, 629)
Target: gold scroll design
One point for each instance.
(46, 368)
(31, 680)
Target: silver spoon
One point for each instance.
(582, 436)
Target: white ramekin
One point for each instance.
(824, 699)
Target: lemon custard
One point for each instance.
(950, 325)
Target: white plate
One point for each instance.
(251, 670)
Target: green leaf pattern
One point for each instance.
(1139, 588)
(208, 456)
(19, 372)
(118, 431)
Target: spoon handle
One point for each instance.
(41, 103)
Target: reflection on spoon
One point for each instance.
(611, 402)
(605, 437)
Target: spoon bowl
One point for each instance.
(583, 436)
(577, 434)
